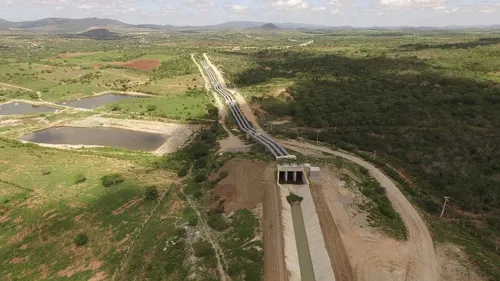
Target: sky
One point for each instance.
(360, 13)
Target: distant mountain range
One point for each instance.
(80, 25)
(64, 25)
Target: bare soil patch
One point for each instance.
(19, 260)
(72, 270)
(243, 187)
(99, 276)
(125, 206)
(454, 265)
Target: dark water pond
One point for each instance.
(113, 137)
(96, 101)
(23, 108)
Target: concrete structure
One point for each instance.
(314, 172)
(321, 263)
(276, 149)
(291, 174)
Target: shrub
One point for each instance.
(45, 172)
(151, 193)
(294, 198)
(223, 174)
(81, 239)
(217, 222)
(200, 177)
(203, 249)
(193, 220)
(111, 180)
(151, 107)
(183, 171)
(79, 178)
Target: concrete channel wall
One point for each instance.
(323, 270)
(291, 254)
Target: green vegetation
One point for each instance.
(104, 222)
(381, 211)
(81, 239)
(245, 257)
(111, 180)
(151, 193)
(426, 102)
(294, 198)
(203, 249)
(191, 105)
(79, 178)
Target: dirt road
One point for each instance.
(16, 87)
(414, 259)
(274, 247)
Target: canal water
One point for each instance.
(95, 101)
(113, 137)
(24, 108)
(305, 261)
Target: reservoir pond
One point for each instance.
(103, 136)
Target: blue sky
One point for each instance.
(325, 12)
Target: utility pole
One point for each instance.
(446, 198)
(317, 137)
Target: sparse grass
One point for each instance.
(192, 105)
(50, 211)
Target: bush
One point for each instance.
(81, 239)
(79, 178)
(217, 222)
(111, 180)
(193, 220)
(203, 249)
(151, 107)
(151, 193)
(200, 177)
(45, 172)
(183, 172)
(294, 198)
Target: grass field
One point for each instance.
(63, 74)
(191, 105)
(42, 210)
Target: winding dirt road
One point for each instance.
(420, 245)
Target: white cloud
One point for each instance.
(440, 8)
(401, 4)
(486, 10)
(335, 12)
(454, 10)
(85, 6)
(239, 9)
(319, 8)
(290, 4)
